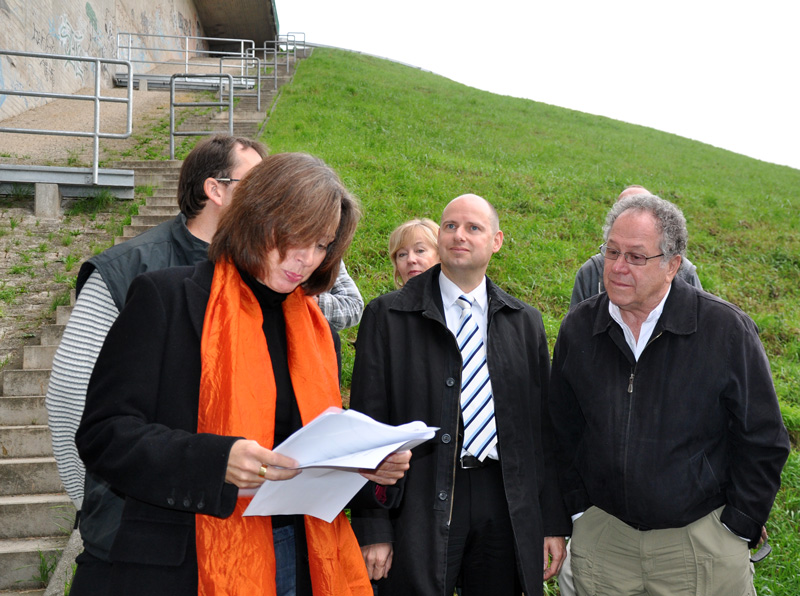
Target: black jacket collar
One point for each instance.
(422, 294)
(679, 315)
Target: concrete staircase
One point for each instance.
(162, 205)
(36, 516)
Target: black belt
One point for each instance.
(470, 462)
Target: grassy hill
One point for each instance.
(406, 142)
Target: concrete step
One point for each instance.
(20, 560)
(146, 164)
(28, 516)
(162, 201)
(51, 335)
(38, 356)
(25, 441)
(149, 220)
(161, 210)
(23, 592)
(22, 410)
(29, 476)
(131, 231)
(165, 190)
(155, 179)
(167, 181)
(62, 314)
(25, 382)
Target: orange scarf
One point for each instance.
(235, 556)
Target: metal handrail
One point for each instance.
(267, 63)
(242, 81)
(274, 46)
(296, 34)
(173, 104)
(246, 47)
(96, 98)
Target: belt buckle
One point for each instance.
(470, 462)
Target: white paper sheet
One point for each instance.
(331, 449)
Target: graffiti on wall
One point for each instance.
(86, 28)
(45, 40)
(71, 41)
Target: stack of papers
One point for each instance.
(330, 450)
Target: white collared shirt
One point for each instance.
(452, 314)
(637, 347)
(452, 311)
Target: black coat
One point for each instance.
(139, 432)
(408, 367)
(694, 424)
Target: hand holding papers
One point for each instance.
(330, 450)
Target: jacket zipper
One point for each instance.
(630, 414)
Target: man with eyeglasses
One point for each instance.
(670, 438)
(589, 279)
(208, 178)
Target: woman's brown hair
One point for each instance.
(288, 200)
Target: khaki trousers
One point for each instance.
(609, 558)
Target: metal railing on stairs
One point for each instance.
(281, 49)
(97, 97)
(188, 46)
(298, 37)
(197, 104)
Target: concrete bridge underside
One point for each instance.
(238, 19)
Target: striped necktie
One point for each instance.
(477, 405)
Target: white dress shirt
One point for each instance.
(452, 315)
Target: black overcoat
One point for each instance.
(139, 432)
(408, 367)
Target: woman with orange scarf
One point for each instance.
(205, 370)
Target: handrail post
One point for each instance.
(172, 117)
(221, 93)
(258, 82)
(129, 66)
(95, 163)
(230, 105)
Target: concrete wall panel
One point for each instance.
(80, 28)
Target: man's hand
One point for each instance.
(378, 558)
(555, 549)
(764, 536)
(390, 470)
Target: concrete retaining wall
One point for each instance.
(78, 28)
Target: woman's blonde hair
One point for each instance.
(403, 235)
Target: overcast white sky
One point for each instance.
(723, 72)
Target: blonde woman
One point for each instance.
(413, 249)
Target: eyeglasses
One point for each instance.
(632, 258)
(227, 180)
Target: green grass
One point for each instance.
(778, 574)
(406, 142)
(99, 201)
(61, 299)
